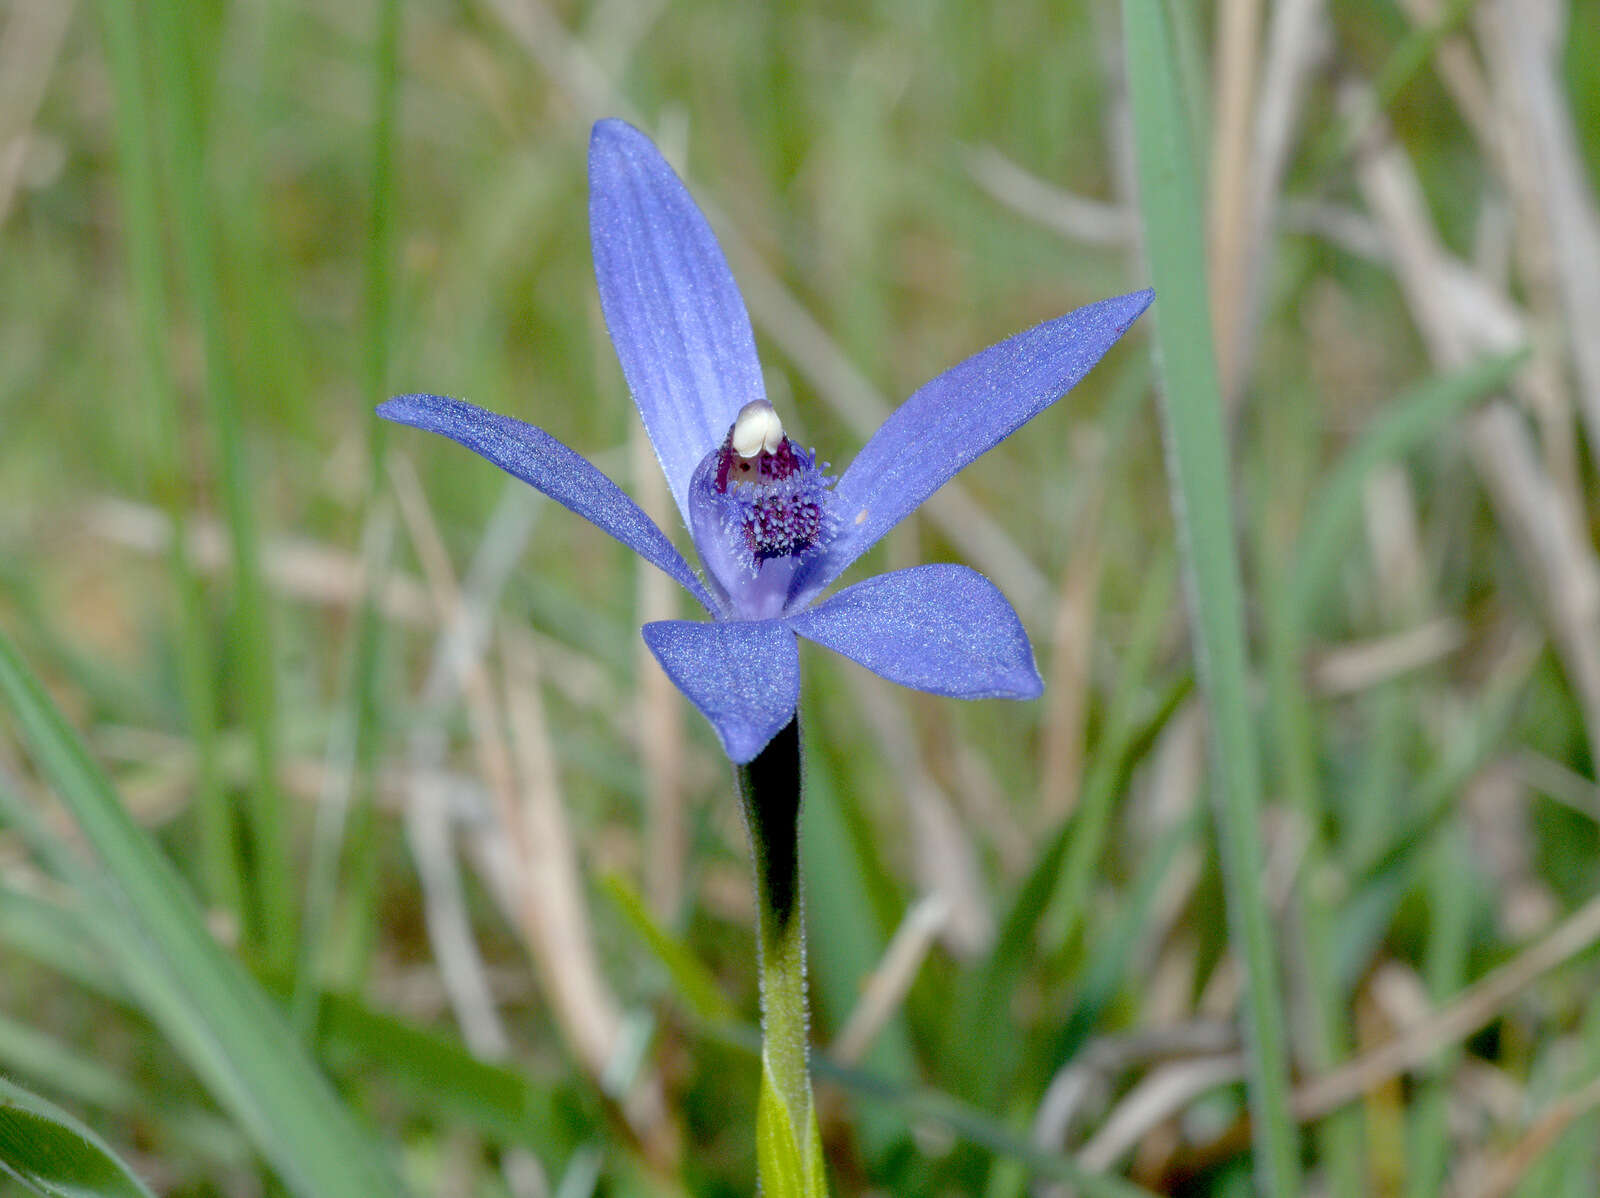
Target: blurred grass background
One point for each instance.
(390, 718)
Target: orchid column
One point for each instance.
(774, 530)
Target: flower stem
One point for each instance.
(769, 788)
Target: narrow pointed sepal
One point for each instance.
(538, 459)
(954, 419)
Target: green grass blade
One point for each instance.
(920, 1105)
(219, 857)
(437, 1070)
(1112, 949)
(1051, 899)
(1171, 204)
(367, 708)
(50, 1152)
(44, 1060)
(1450, 909)
(208, 1006)
(1409, 422)
(1409, 56)
(1112, 761)
(168, 22)
(839, 902)
(692, 981)
(916, 1105)
(432, 1068)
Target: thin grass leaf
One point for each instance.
(1113, 761)
(68, 1072)
(1292, 593)
(691, 980)
(1450, 904)
(46, 1061)
(1111, 951)
(1171, 203)
(815, 1166)
(431, 1068)
(1409, 422)
(1409, 57)
(219, 855)
(50, 1152)
(169, 23)
(921, 1105)
(208, 1006)
(915, 1105)
(437, 1070)
(367, 706)
(778, 1162)
(849, 942)
(1056, 889)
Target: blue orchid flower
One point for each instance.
(773, 528)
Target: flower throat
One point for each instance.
(776, 495)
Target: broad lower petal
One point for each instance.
(940, 628)
(743, 675)
(541, 461)
(676, 316)
(962, 414)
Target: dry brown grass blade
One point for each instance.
(1559, 782)
(555, 913)
(1082, 1086)
(1526, 46)
(529, 864)
(886, 986)
(1295, 36)
(943, 858)
(1066, 711)
(1076, 218)
(1340, 226)
(30, 45)
(1350, 669)
(312, 572)
(1451, 1024)
(1511, 142)
(1461, 315)
(1161, 1094)
(1503, 1175)
(428, 829)
(307, 570)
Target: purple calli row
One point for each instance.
(772, 529)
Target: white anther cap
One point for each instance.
(757, 428)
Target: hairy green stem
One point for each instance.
(769, 788)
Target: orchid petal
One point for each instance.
(940, 628)
(952, 420)
(676, 317)
(743, 675)
(541, 461)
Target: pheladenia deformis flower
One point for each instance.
(773, 525)
(775, 528)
